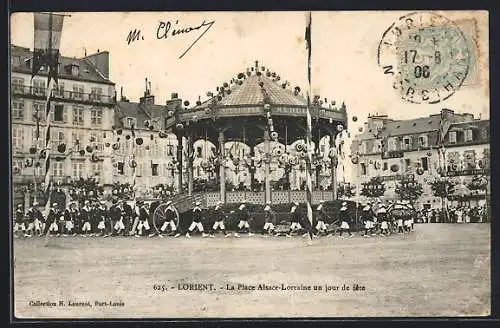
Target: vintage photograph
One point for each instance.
(250, 164)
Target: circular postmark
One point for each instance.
(426, 54)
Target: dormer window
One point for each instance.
(468, 136)
(392, 144)
(406, 143)
(75, 69)
(130, 121)
(422, 141)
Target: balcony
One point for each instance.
(63, 95)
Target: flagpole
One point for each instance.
(309, 145)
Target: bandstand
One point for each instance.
(256, 107)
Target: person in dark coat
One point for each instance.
(218, 218)
(53, 220)
(244, 217)
(115, 213)
(296, 214)
(268, 220)
(196, 221)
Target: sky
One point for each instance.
(344, 48)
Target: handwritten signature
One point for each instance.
(165, 30)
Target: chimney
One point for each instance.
(101, 62)
(447, 113)
(174, 102)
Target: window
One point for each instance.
(363, 168)
(58, 138)
(468, 135)
(154, 170)
(486, 157)
(77, 115)
(77, 91)
(39, 87)
(97, 139)
(17, 137)
(59, 113)
(58, 169)
(96, 116)
(322, 149)
(59, 90)
(377, 146)
(18, 110)
(17, 85)
(170, 150)
(78, 169)
(386, 166)
(406, 143)
(38, 112)
(41, 137)
(75, 70)
(15, 60)
(452, 137)
(95, 94)
(422, 141)
(78, 138)
(392, 144)
(198, 152)
(424, 161)
(19, 164)
(97, 168)
(470, 159)
(121, 168)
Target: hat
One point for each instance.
(381, 210)
(321, 201)
(244, 201)
(242, 206)
(54, 204)
(19, 205)
(268, 202)
(35, 203)
(86, 202)
(296, 203)
(344, 203)
(114, 201)
(366, 208)
(197, 203)
(219, 202)
(102, 202)
(267, 208)
(169, 202)
(343, 208)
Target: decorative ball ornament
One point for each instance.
(92, 139)
(354, 160)
(331, 153)
(89, 149)
(162, 134)
(228, 92)
(147, 147)
(29, 162)
(61, 148)
(394, 167)
(480, 163)
(186, 103)
(198, 103)
(360, 129)
(170, 113)
(219, 98)
(119, 131)
(16, 169)
(261, 84)
(370, 162)
(277, 151)
(420, 171)
(33, 150)
(241, 76)
(139, 141)
(115, 146)
(94, 158)
(267, 107)
(293, 161)
(340, 128)
(299, 147)
(37, 164)
(377, 165)
(179, 126)
(43, 153)
(127, 137)
(132, 163)
(296, 89)
(274, 135)
(429, 154)
(107, 145)
(354, 118)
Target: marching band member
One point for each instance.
(30, 221)
(143, 213)
(85, 219)
(382, 216)
(367, 219)
(171, 215)
(68, 219)
(37, 219)
(219, 219)
(196, 221)
(102, 215)
(53, 219)
(296, 217)
(344, 217)
(115, 213)
(321, 215)
(268, 217)
(243, 225)
(19, 221)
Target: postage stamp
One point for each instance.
(427, 55)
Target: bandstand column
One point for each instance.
(267, 172)
(190, 164)
(222, 168)
(333, 165)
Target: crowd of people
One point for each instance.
(454, 214)
(96, 218)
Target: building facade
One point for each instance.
(82, 114)
(393, 149)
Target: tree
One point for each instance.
(346, 190)
(409, 189)
(374, 188)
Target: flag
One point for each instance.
(48, 30)
(307, 37)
